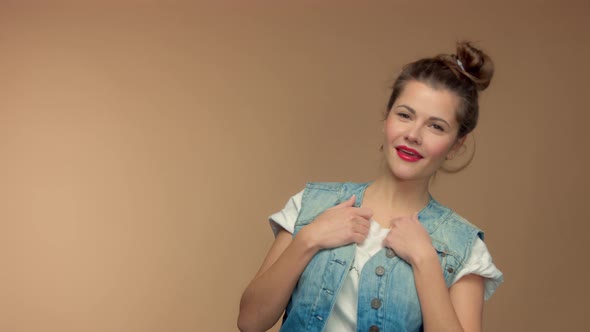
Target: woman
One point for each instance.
(358, 257)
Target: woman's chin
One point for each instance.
(405, 174)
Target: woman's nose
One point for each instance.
(414, 135)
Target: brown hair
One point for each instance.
(465, 73)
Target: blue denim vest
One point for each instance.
(387, 298)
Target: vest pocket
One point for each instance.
(447, 261)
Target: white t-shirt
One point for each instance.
(343, 316)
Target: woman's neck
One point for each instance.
(396, 196)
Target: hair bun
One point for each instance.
(476, 64)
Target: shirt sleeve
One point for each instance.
(287, 217)
(480, 263)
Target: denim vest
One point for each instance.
(387, 297)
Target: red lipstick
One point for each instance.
(408, 154)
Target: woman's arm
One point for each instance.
(267, 295)
(457, 309)
(467, 296)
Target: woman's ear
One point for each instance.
(458, 144)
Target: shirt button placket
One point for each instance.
(375, 303)
(379, 270)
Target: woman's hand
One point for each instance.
(338, 226)
(409, 239)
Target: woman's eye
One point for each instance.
(438, 127)
(403, 115)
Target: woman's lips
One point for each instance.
(408, 154)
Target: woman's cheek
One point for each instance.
(441, 150)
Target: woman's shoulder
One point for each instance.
(338, 190)
(335, 186)
(324, 185)
(286, 217)
(294, 202)
(461, 221)
(453, 219)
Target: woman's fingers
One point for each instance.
(360, 229)
(341, 225)
(347, 203)
(401, 221)
(364, 212)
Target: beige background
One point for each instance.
(143, 146)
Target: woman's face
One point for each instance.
(420, 131)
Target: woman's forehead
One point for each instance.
(428, 101)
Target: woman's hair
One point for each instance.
(465, 74)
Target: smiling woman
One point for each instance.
(421, 131)
(385, 255)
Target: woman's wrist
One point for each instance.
(424, 258)
(306, 241)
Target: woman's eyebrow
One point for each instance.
(413, 111)
(408, 108)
